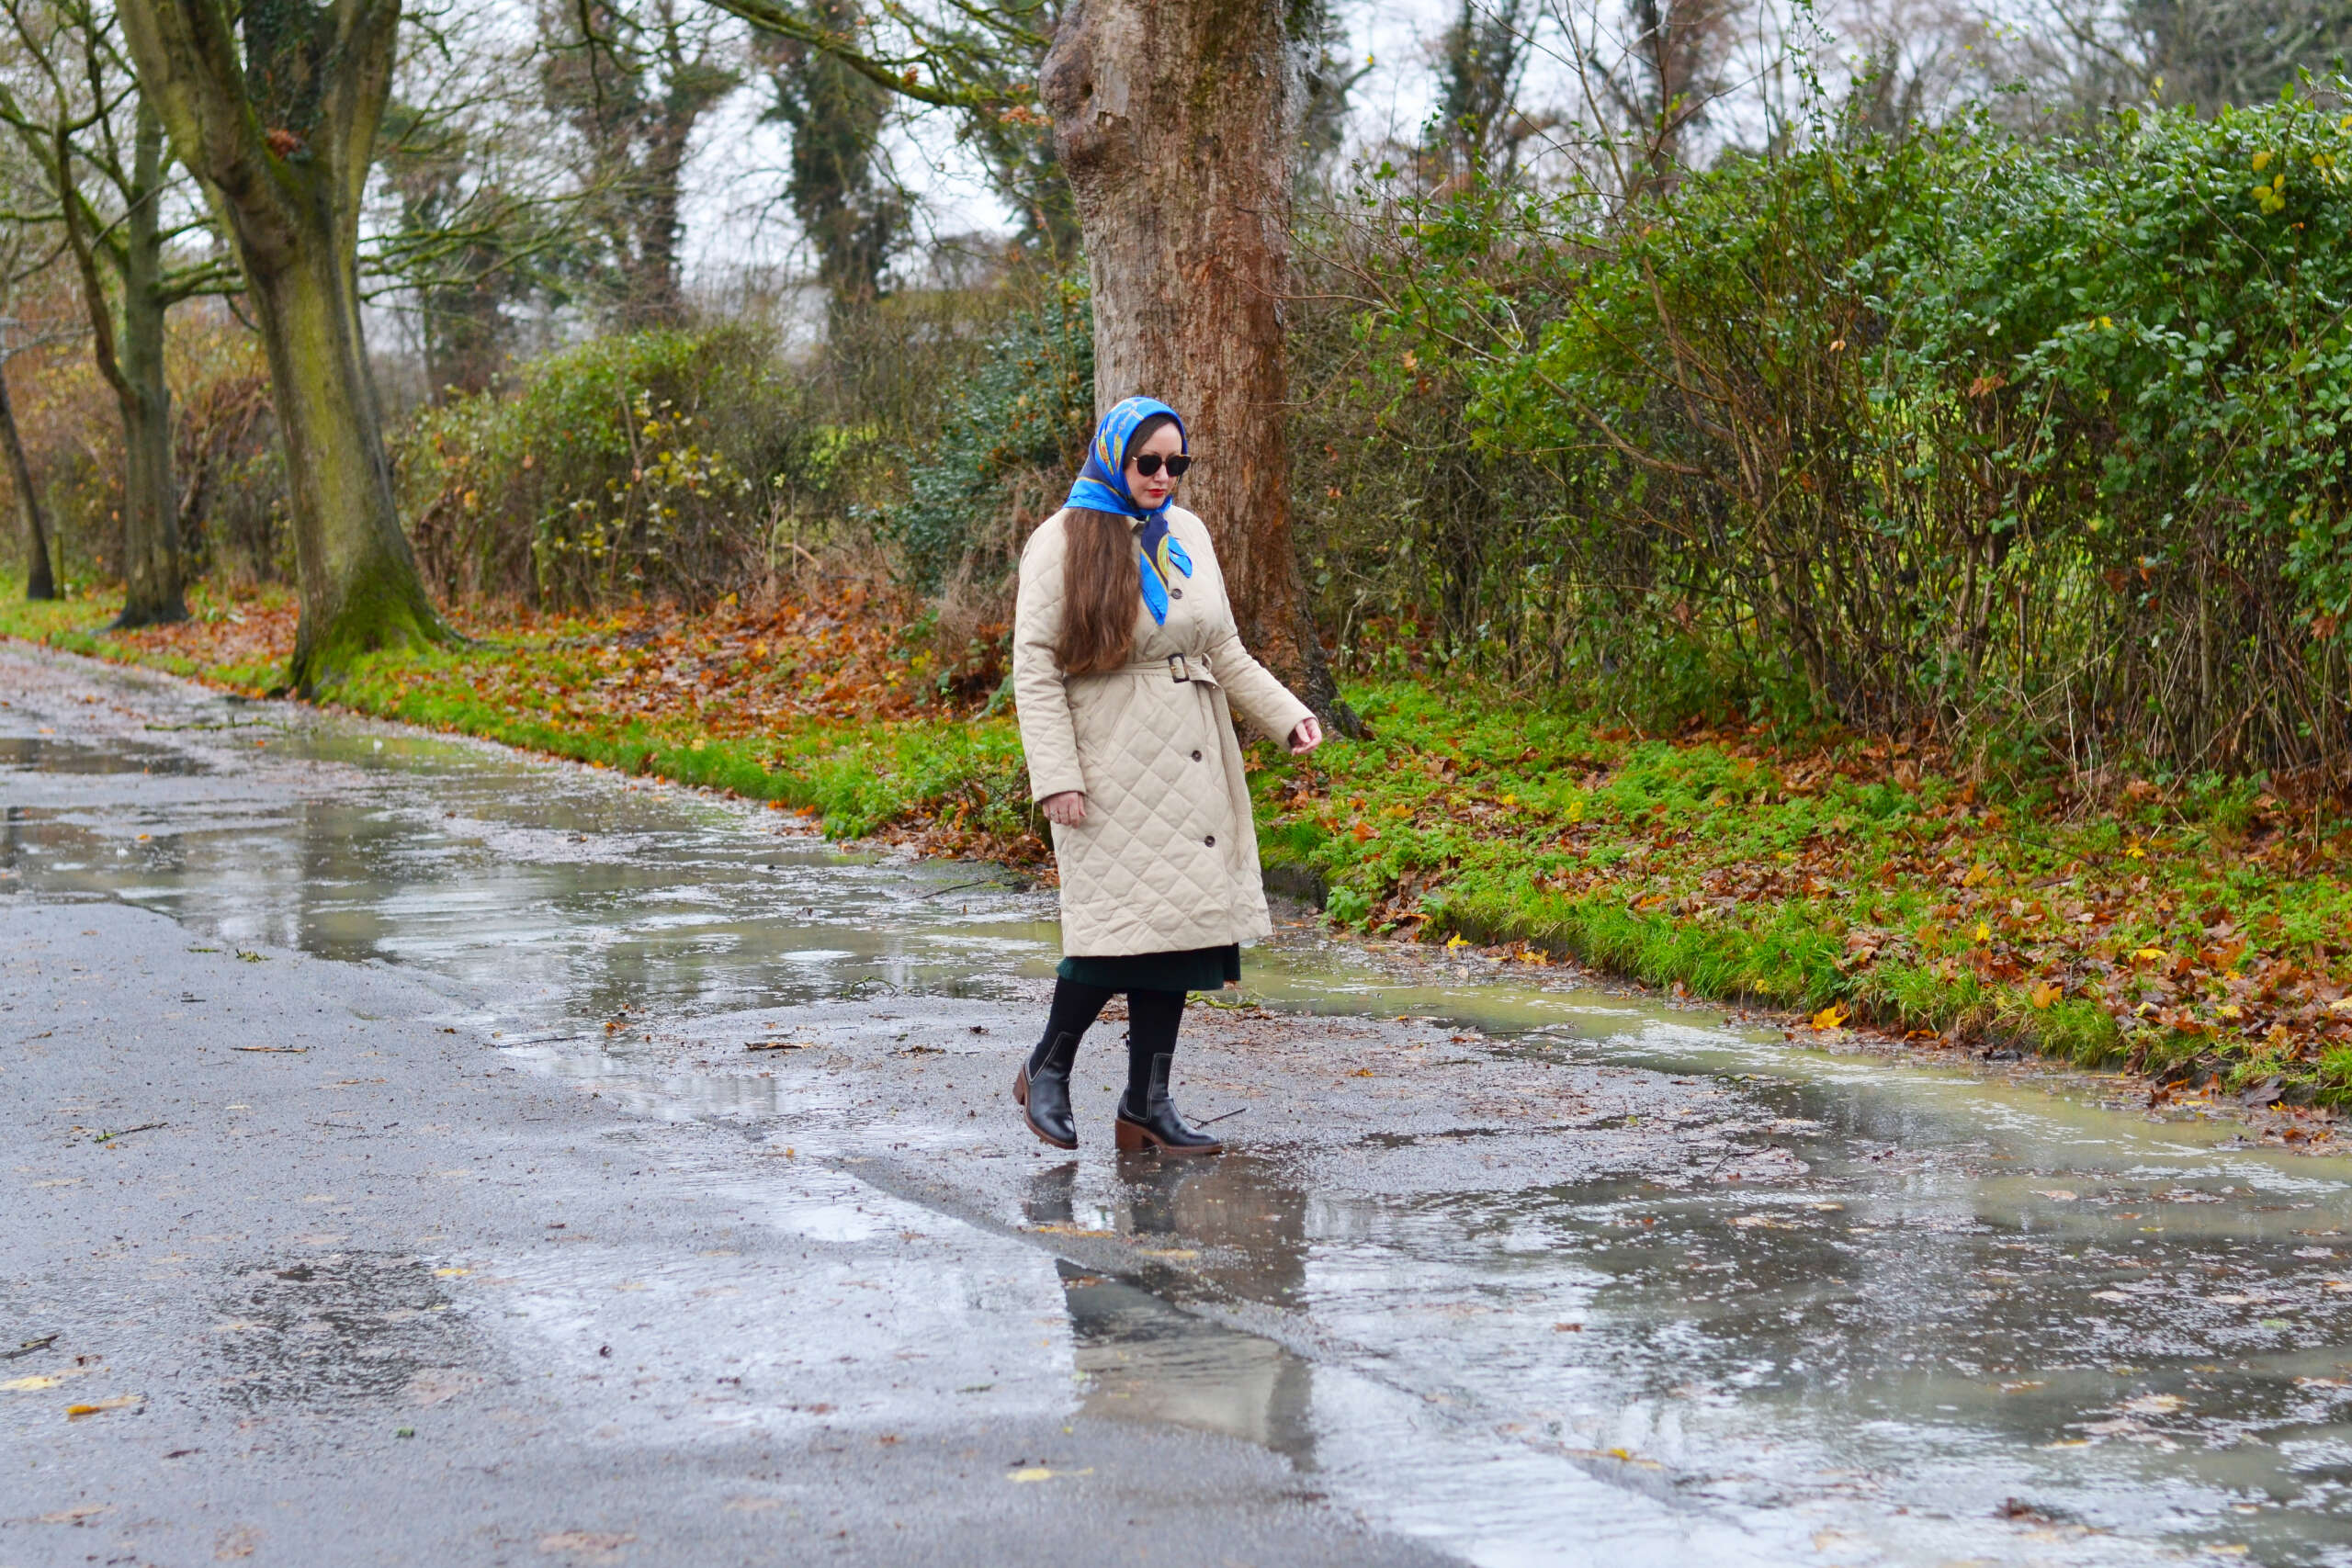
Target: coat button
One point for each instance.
(1175, 593)
(1196, 756)
(1210, 840)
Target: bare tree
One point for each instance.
(1478, 124)
(474, 223)
(2212, 53)
(126, 218)
(1667, 80)
(276, 108)
(853, 216)
(23, 256)
(633, 78)
(39, 582)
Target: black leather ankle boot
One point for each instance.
(1043, 1089)
(1156, 1126)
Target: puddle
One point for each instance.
(1818, 1309)
(1140, 1359)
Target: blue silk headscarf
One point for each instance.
(1101, 485)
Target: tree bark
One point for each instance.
(39, 583)
(1172, 120)
(129, 356)
(279, 123)
(151, 524)
(360, 588)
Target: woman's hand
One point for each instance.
(1068, 808)
(1306, 736)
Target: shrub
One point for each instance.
(646, 463)
(1003, 456)
(2039, 443)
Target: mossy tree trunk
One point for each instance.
(1173, 120)
(276, 113)
(360, 588)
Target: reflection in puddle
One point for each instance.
(1141, 1359)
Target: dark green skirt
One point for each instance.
(1194, 969)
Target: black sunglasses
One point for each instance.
(1148, 464)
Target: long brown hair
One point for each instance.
(1102, 581)
(1101, 589)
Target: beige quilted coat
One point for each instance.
(1167, 859)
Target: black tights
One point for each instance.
(1153, 1019)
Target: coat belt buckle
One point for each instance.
(1178, 670)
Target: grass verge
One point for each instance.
(2195, 930)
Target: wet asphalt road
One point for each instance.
(361, 1291)
(422, 1152)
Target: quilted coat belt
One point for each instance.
(1176, 667)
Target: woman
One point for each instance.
(1124, 658)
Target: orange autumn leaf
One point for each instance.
(2045, 995)
(1831, 1016)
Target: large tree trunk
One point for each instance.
(360, 588)
(279, 122)
(1172, 120)
(39, 583)
(151, 524)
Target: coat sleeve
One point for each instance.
(1249, 685)
(1047, 738)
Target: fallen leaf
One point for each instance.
(596, 1546)
(2044, 996)
(97, 1406)
(2056, 1194)
(1832, 1016)
(45, 1379)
